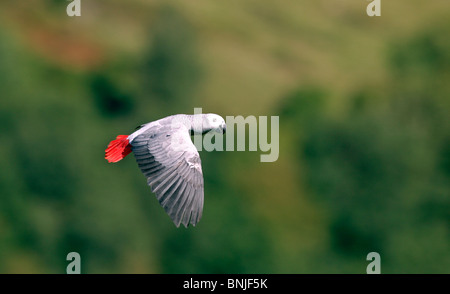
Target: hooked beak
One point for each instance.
(224, 128)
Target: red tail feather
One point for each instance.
(118, 149)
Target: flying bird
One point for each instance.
(170, 161)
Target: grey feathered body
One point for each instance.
(167, 157)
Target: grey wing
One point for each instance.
(172, 165)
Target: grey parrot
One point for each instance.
(170, 161)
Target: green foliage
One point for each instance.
(364, 161)
(108, 99)
(379, 168)
(170, 69)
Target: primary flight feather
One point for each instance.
(167, 157)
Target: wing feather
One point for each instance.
(188, 208)
(182, 207)
(170, 191)
(173, 171)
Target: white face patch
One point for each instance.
(215, 121)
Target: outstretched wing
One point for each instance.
(172, 165)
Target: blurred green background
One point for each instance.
(364, 161)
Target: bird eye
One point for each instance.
(214, 120)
